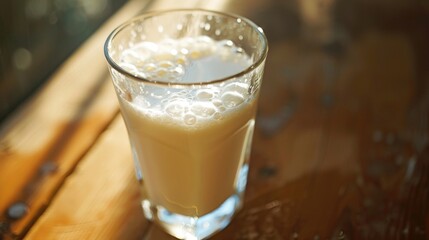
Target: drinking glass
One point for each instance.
(187, 83)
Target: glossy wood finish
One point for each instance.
(340, 149)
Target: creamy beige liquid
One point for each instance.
(191, 143)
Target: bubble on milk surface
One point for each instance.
(232, 99)
(238, 87)
(203, 109)
(176, 109)
(190, 119)
(234, 94)
(206, 94)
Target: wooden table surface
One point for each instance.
(340, 149)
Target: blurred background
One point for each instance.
(36, 36)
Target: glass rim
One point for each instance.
(256, 63)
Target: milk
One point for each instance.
(189, 142)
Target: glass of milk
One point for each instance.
(187, 82)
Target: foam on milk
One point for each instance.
(198, 59)
(187, 60)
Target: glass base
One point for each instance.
(196, 228)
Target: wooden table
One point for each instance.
(340, 149)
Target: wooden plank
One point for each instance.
(41, 144)
(101, 199)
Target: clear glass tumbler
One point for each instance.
(188, 82)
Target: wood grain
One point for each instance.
(101, 199)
